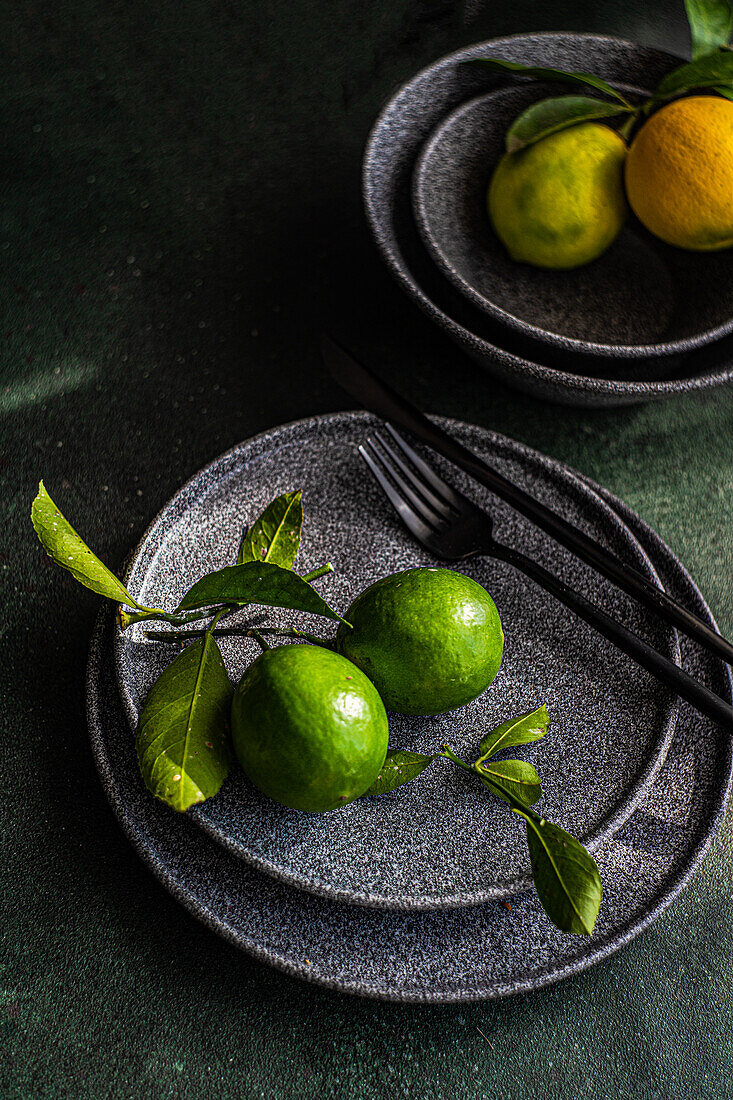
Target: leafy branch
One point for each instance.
(183, 745)
(711, 68)
(263, 575)
(565, 875)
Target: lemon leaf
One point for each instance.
(554, 114)
(565, 874)
(541, 73)
(711, 71)
(521, 730)
(711, 25)
(515, 777)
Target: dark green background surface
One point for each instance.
(180, 208)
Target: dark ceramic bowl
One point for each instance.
(641, 298)
(547, 372)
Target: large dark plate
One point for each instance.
(398, 135)
(439, 841)
(446, 956)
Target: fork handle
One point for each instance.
(684, 685)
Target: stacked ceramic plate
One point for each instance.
(642, 322)
(425, 894)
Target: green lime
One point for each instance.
(560, 202)
(429, 639)
(309, 728)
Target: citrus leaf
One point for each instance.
(517, 731)
(275, 535)
(182, 740)
(707, 72)
(399, 767)
(541, 73)
(515, 777)
(727, 93)
(711, 25)
(258, 583)
(61, 542)
(558, 113)
(565, 876)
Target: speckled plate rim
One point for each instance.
(218, 920)
(518, 324)
(532, 377)
(147, 550)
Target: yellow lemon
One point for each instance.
(679, 173)
(560, 202)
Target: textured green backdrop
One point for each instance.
(180, 205)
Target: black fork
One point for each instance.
(453, 528)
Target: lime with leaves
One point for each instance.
(429, 639)
(309, 728)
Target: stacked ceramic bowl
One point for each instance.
(642, 322)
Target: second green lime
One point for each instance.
(430, 640)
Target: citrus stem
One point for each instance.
(260, 640)
(148, 614)
(238, 632)
(450, 755)
(156, 614)
(321, 571)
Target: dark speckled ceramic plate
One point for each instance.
(447, 956)
(398, 135)
(439, 841)
(641, 298)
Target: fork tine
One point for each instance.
(451, 496)
(435, 502)
(409, 517)
(418, 503)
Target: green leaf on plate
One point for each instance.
(549, 116)
(275, 535)
(565, 876)
(183, 735)
(399, 767)
(258, 583)
(712, 71)
(61, 542)
(512, 777)
(711, 25)
(516, 731)
(541, 73)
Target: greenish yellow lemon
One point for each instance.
(560, 202)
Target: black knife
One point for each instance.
(380, 399)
